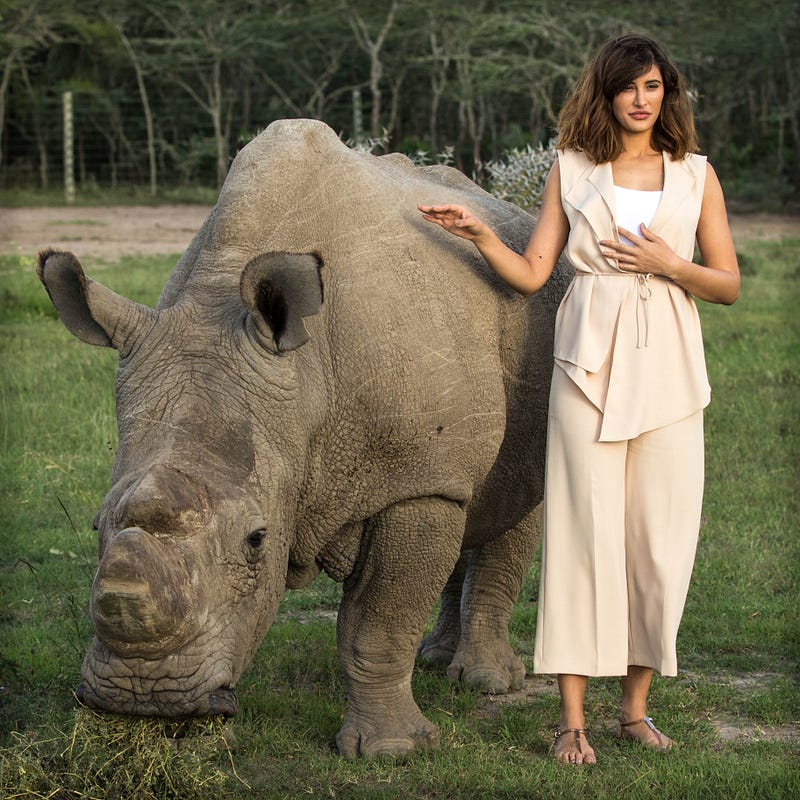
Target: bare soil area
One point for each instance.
(108, 233)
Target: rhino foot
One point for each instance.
(493, 670)
(437, 649)
(390, 736)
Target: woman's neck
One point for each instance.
(639, 166)
(637, 146)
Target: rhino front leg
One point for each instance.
(407, 553)
(484, 658)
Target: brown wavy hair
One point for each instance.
(587, 122)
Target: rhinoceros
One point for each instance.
(327, 383)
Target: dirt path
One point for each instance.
(101, 233)
(111, 232)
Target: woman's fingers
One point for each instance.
(443, 210)
(455, 219)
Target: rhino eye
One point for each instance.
(256, 538)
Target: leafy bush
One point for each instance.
(418, 155)
(519, 176)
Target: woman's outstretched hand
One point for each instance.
(456, 220)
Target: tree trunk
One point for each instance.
(36, 119)
(6, 79)
(373, 49)
(148, 121)
(438, 80)
(143, 96)
(216, 116)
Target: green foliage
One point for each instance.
(519, 177)
(167, 92)
(738, 646)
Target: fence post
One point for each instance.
(69, 161)
(358, 127)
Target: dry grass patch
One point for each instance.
(108, 756)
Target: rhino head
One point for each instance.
(195, 532)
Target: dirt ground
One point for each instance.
(106, 233)
(111, 232)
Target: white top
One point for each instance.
(634, 207)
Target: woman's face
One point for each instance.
(636, 107)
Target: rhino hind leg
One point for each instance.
(483, 658)
(408, 551)
(440, 645)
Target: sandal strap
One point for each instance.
(558, 733)
(646, 720)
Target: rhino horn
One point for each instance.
(164, 500)
(278, 290)
(90, 311)
(140, 596)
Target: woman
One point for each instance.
(626, 200)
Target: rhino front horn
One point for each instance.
(139, 603)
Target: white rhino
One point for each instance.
(327, 383)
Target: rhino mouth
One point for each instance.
(219, 703)
(143, 688)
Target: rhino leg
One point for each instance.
(407, 553)
(440, 645)
(484, 658)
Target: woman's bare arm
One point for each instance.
(525, 273)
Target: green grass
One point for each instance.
(738, 647)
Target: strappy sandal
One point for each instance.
(558, 733)
(662, 742)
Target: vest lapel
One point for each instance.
(592, 194)
(594, 199)
(679, 184)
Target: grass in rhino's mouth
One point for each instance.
(109, 755)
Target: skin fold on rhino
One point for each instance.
(327, 383)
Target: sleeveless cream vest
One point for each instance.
(631, 343)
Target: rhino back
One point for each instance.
(420, 347)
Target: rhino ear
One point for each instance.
(90, 311)
(278, 290)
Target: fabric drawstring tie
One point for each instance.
(642, 308)
(643, 294)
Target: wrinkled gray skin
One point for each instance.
(327, 383)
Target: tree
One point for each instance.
(371, 38)
(203, 52)
(119, 21)
(24, 29)
(482, 79)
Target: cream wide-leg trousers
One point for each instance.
(621, 522)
